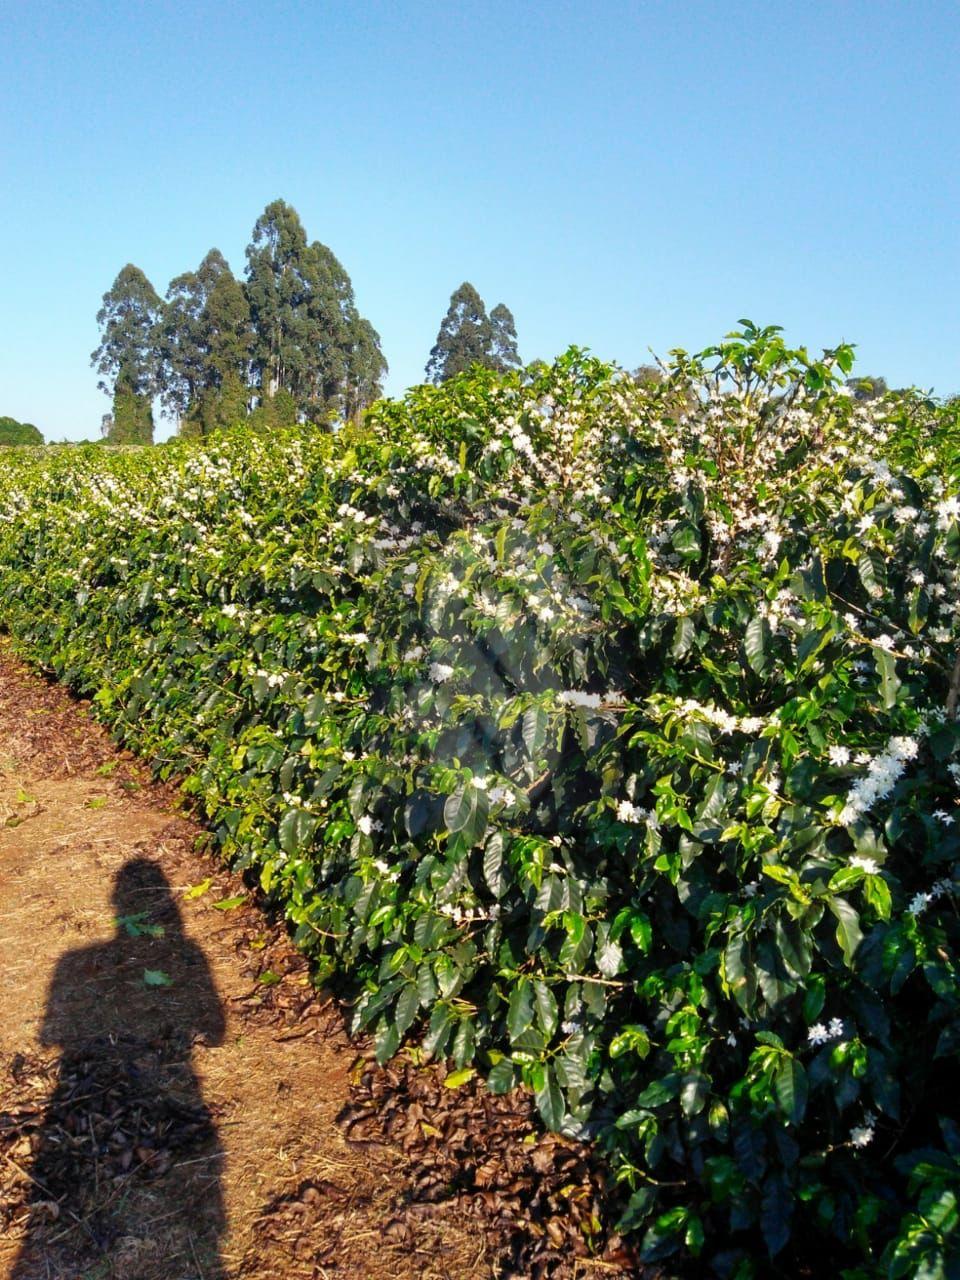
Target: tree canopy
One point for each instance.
(308, 336)
(868, 387)
(504, 335)
(14, 432)
(128, 321)
(289, 338)
(469, 336)
(204, 342)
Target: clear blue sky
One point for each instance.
(622, 175)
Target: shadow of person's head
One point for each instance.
(142, 897)
(148, 981)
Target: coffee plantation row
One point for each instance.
(598, 736)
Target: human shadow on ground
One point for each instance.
(126, 1167)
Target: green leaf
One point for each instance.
(641, 931)
(315, 711)
(198, 890)
(632, 1037)
(790, 1087)
(426, 985)
(793, 946)
(638, 1210)
(388, 1041)
(408, 1006)
(663, 1238)
(814, 997)
(466, 811)
(756, 640)
(693, 1093)
(776, 1211)
(501, 1078)
(889, 680)
(609, 957)
(493, 872)
(520, 1010)
(872, 572)
(844, 357)
(549, 1100)
(845, 878)
(578, 944)
(458, 807)
(684, 636)
(546, 1007)
(877, 893)
(438, 1033)
(659, 1091)
(500, 543)
(535, 722)
(811, 644)
(686, 541)
(919, 608)
(296, 831)
(156, 978)
(694, 1237)
(457, 1078)
(135, 927)
(230, 904)
(739, 973)
(849, 935)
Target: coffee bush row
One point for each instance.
(597, 735)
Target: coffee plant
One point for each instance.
(597, 736)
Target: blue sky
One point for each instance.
(622, 175)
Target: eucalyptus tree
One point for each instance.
(181, 335)
(503, 331)
(349, 364)
(127, 357)
(276, 291)
(366, 367)
(128, 323)
(204, 346)
(308, 336)
(469, 336)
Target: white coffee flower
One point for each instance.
(868, 865)
(627, 812)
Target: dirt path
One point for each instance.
(169, 1087)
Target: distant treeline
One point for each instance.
(14, 432)
(285, 344)
(289, 338)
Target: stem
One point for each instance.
(954, 690)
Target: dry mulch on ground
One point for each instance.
(177, 1100)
